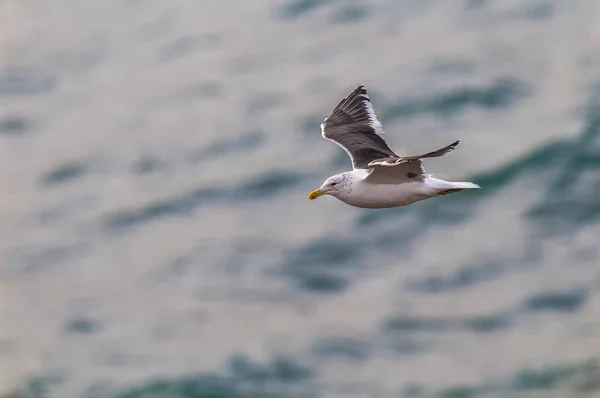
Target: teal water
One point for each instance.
(156, 237)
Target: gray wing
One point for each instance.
(395, 170)
(353, 125)
(396, 174)
(391, 161)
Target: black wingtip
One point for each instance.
(454, 145)
(360, 89)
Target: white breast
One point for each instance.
(375, 196)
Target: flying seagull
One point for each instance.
(379, 178)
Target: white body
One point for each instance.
(365, 194)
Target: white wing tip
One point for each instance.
(375, 123)
(384, 162)
(323, 126)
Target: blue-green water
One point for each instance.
(156, 236)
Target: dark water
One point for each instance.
(157, 240)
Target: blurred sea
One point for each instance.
(156, 237)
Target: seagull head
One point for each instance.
(333, 186)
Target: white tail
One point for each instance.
(464, 185)
(443, 185)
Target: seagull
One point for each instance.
(379, 178)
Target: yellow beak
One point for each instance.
(315, 194)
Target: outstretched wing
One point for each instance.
(394, 170)
(395, 160)
(353, 125)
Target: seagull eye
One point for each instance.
(333, 183)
